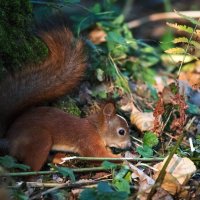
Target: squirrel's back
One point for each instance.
(56, 76)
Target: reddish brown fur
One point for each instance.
(37, 131)
(55, 77)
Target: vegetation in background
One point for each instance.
(187, 45)
(120, 56)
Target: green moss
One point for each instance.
(69, 105)
(18, 44)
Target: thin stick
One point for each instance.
(63, 185)
(66, 185)
(161, 16)
(127, 8)
(89, 169)
(82, 169)
(118, 159)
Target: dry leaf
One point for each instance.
(57, 159)
(178, 172)
(145, 182)
(162, 194)
(191, 77)
(161, 82)
(171, 184)
(144, 121)
(97, 35)
(192, 93)
(168, 96)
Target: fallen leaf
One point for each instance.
(97, 35)
(192, 77)
(144, 121)
(145, 182)
(178, 173)
(162, 194)
(57, 159)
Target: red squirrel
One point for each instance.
(32, 132)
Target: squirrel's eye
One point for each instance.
(121, 131)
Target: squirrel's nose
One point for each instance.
(126, 145)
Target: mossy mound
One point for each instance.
(18, 43)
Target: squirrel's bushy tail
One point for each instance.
(58, 74)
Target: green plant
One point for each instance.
(10, 163)
(149, 141)
(121, 56)
(186, 46)
(103, 191)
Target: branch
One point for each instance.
(161, 16)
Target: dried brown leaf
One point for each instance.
(97, 35)
(145, 182)
(142, 120)
(162, 194)
(178, 173)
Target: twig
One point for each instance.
(89, 169)
(175, 138)
(134, 138)
(127, 8)
(119, 159)
(82, 169)
(161, 16)
(63, 185)
(43, 185)
(66, 185)
(167, 120)
(145, 165)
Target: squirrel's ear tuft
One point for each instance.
(109, 110)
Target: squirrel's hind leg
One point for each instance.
(31, 149)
